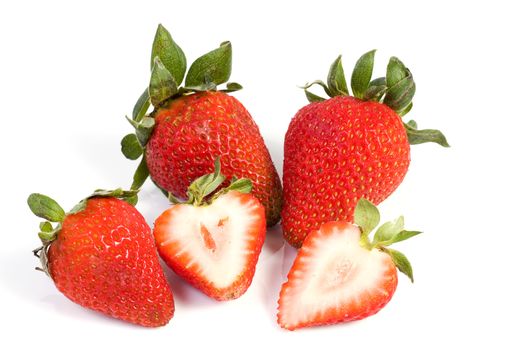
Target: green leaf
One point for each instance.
(133, 200)
(320, 83)
(215, 67)
(202, 87)
(402, 263)
(401, 86)
(232, 87)
(378, 82)
(416, 136)
(412, 124)
(336, 78)
(395, 72)
(399, 96)
(47, 236)
(401, 236)
(240, 185)
(141, 174)
(376, 90)
(169, 53)
(405, 110)
(362, 74)
(131, 147)
(374, 93)
(162, 84)
(46, 226)
(141, 106)
(144, 130)
(312, 97)
(366, 216)
(205, 185)
(79, 206)
(45, 207)
(389, 229)
(213, 181)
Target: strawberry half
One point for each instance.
(214, 244)
(339, 275)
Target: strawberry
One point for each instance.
(102, 256)
(339, 275)
(344, 148)
(191, 125)
(213, 244)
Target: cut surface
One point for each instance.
(334, 279)
(214, 247)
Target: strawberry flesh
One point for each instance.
(334, 279)
(214, 247)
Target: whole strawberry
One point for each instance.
(344, 148)
(102, 256)
(340, 275)
(193, 124)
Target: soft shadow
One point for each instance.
(274, 239)
(278, 257)
(152, 202)
(275, 147)
(18, 276)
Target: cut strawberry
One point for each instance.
(214, 245)
(339, 275)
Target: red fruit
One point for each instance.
(214, 246)
(192, 130)
(193, 124)
(339, 276)
(339, 150)
(102, 256)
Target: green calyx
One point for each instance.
(396, 90)
(367, 217)
(48, 209)
(201, 189)
(168, 72)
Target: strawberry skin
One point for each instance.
(104, 258)
(214, 247)
(192, 130)
(336, 152)
(334, 279)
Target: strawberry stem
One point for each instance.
(207, 184)
(396, 90)
(364, 241)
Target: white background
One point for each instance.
(69, 72)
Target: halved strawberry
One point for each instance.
(339, 275)
(215, 244)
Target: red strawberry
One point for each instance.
(339, 275)
(214, 244)
(102, 256)
(192, 125)
(344, 148)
